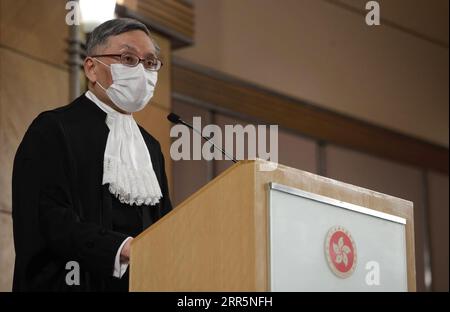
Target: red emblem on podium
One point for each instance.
(340, 250)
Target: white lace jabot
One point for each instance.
(127, 165)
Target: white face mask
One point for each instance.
(132, 87)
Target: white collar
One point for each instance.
(127, 165)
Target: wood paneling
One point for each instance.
(35, 28)
(33, 78)
(225, 92)
(173, 19)
(7, 252)
(438, 214)
(27, 87)
(171, 13)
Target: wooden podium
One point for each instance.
(222, 238)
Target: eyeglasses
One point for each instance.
(129, 59)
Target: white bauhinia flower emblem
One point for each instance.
(341, 250)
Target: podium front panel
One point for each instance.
(318, 243)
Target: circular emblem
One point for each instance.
(340, 250)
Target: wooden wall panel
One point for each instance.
(170, 12)
(33, 78)
(27, 87)
(36, 28)
(173, 19)
(229, 93)
(6, 252)
(438, 214)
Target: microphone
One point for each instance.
(174, 118)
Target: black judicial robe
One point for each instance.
(62, 212)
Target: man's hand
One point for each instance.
(125, 253)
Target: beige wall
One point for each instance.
(423, 17)
(321, 52)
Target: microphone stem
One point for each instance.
(209, 140)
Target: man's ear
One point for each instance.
(89, 69)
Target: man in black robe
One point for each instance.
(62, 211)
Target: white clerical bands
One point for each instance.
(127, 165)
